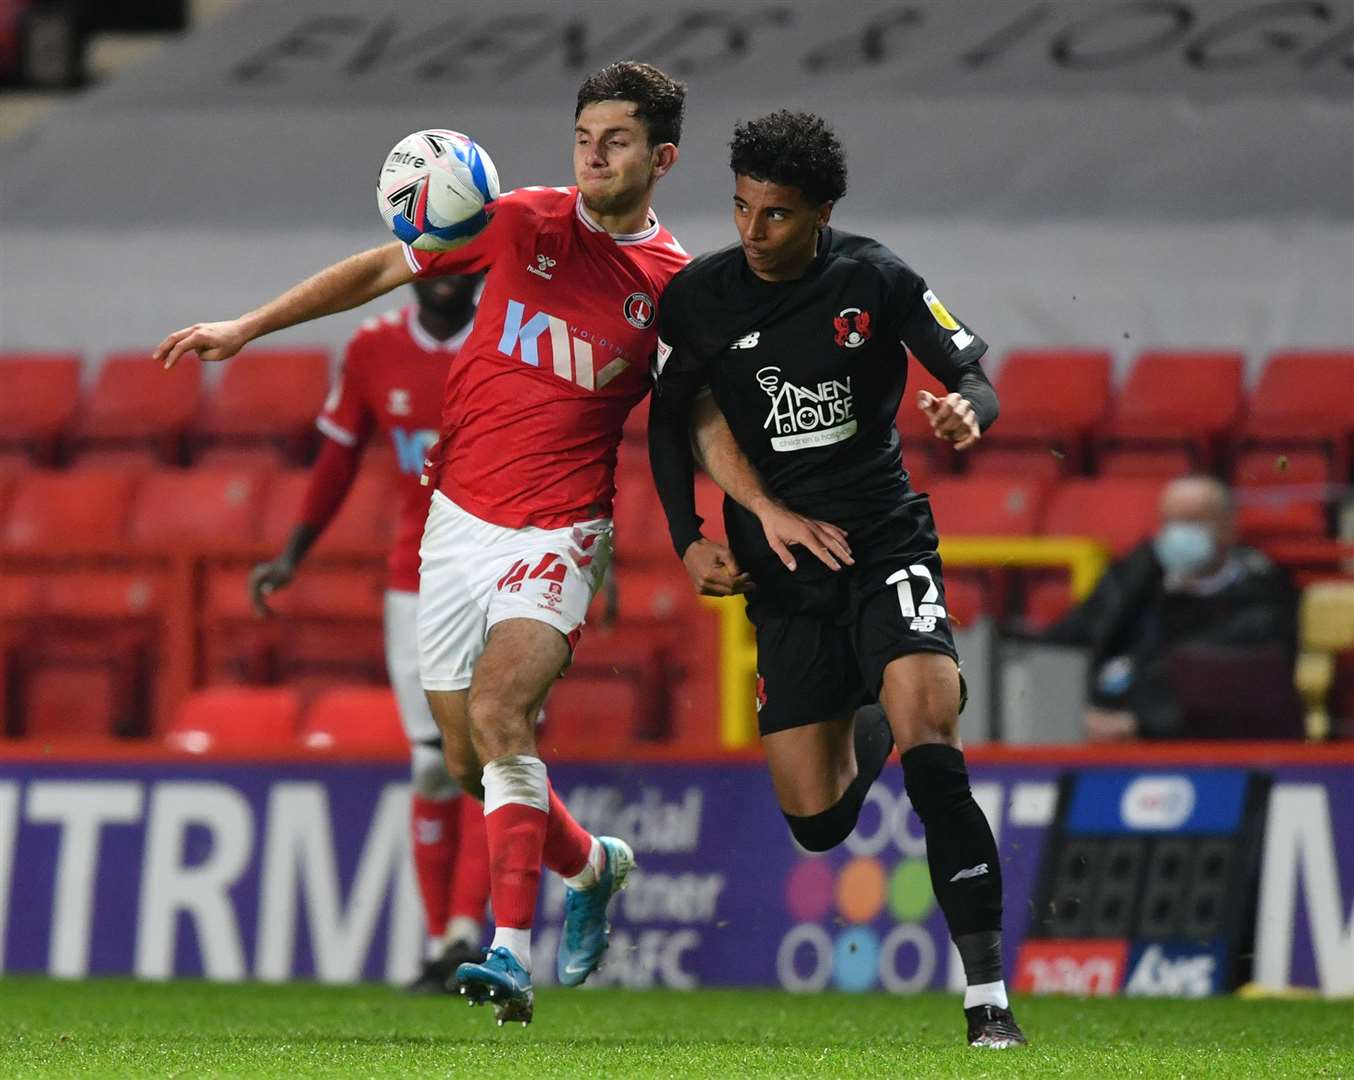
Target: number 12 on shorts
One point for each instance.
(925, 612)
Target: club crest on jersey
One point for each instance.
(639, 310)
(398, 403)
(852, 326)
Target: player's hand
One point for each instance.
(952, 418)
(265, 579)
(784, 529)
(211, 341)
(713, 569)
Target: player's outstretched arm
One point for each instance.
(347, 284)
(711, 567)
(735, 474)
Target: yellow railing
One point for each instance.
(1084, 560)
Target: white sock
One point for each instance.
(517, 778)
(433, 949)
(517, 942)
(592, 869)
(463, 929)
(993, 993)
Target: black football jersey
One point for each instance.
(810, 373)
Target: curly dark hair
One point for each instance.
(797, 149)
(660, 101)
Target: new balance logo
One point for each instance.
(542, 267)
(971, 872)
(570, 357)
(747, 341)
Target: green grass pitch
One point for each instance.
(122, 1028)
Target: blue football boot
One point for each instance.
(586, 931)
(503, 982)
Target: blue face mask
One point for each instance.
(1184, 547)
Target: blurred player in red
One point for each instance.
(519, 531)
(390, 386)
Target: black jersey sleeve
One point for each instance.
(946, 347)
(678, 379)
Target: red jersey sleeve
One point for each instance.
(345, 417)
(480, 252)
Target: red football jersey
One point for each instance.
(391, 383)
(558, 355)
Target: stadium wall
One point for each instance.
(1067, 172)
(162, 866)
(1252, 287)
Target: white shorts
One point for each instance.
(474, 575)
(401, 627)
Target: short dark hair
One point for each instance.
(659, 100)
(796, 149)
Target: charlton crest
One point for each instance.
(639, 310)
(853, 327)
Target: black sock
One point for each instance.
(873, 740)
(961, 853)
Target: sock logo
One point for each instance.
(971, 872)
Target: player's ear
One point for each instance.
(824, 214)
(664, 158)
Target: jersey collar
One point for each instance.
(640, 237)
(426, 341)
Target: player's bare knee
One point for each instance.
(921, 697)
(501, 723)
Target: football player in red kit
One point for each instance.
(519, 531)
(390, 387)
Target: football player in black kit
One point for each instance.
(789, 347)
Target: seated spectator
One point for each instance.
(1190, 585)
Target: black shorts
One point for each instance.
(825, 638)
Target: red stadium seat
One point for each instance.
(327, 629)
(1260, 468)
(1117, 512)
(79, 508)
(233, 456)
(1302, 400)
(365, 521)
(1046, 601)
(1034, 462)
(1281, 495)
(653, 593)
(1163, 462)
(641, 527)
(966, 596)
(71, 700)
(920, 446)
(135, 459)
(236, 718)
(268, 397)
(136, 403)
(203, 507)
(592, 714)
(354, 718)
(1182, 401)
(102, 628)
(42, 391)
(1050, 399)
(987, 505)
